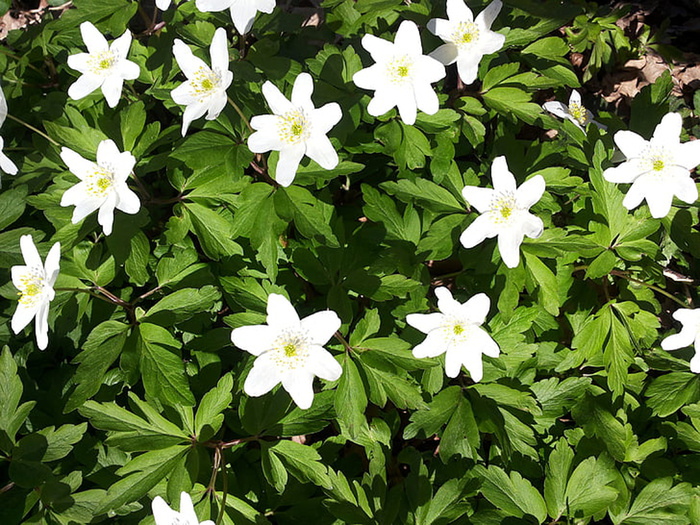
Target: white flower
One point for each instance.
(205, 89)
(289, 350)
(457, 333)
(466, 40)
(164, 515)
(35, 282)
(242, 11)
(6, 165)
(104, 65)
(689, 334)
(296, 129)
(575, 111)
(401, 76)
(162, 4)
(102, 184)
(504, 212)
(658, 168)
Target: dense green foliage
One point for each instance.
(582, 419)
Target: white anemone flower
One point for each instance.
(575, 111)
(504, 212)
(162, 4)
(102, 184)
(456, 331)
(242, 11)
(296, 129)
(6, 165)
(205, 89)
(402, 75)
(290, 350)
(35, 282)
(466, 40)
(164, 515)
(658, 168)
(689, 334)
(104, 65)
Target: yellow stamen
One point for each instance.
(290, 350)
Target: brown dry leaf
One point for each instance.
(21, 18)
(624, 84)
(687, 75)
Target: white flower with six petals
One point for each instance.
(102, 184)
(205, 89)
(296, 129)
(35, 282)
(504, 212)
(164, 515)
(466, 40)
(290, 350)
(456, 331)
(242, 11)
(658, 168)
(104, 65)
(575, 111)
(689, 334)
(402, 75)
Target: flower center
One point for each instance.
(656, 160)
(100, 181)
(102, 62)
(205, 83)
(31, 286)
(455, 331)
(291, 349)
(658, 165)
(458, 329)
(579, 113)
(503, 207)
(293, 127)
(465, 34)
(400, 70)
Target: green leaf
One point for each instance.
(669, 392)
(512, 102)
(302, 462)
(351, 401)
(182, 305)
(513, 494)
(588, 491)
(213, 230)
(12, 204)
(210, 416)
(556, 477)
(659, 502)
(12, 414)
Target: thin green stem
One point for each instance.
(18, 59)
(141, 186)
(658, 289)
(35, 130)
(224, 474)
(347, 346)
(88, 291)
(240, 113)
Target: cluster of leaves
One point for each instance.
(582, 419)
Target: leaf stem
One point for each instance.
(347, 346)
(224, 475)
(658, 289)
(35, 130)
(240, 113)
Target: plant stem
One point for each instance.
(18, 59)
(347, 346)
(35, 130)
(240, 113)
(224, 475)
(141, 186)
(658, 289)
(89, 291)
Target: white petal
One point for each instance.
(262, 378)
(105, 215)
(163, 4)
(300, 386)
(509, 242)
(192, 112)
(625, 173)
(556, 108)
(530, 191)
(446, 303)
(575, 98)
(52, 265)
(433, 346)
(659, 201)
(219, 51)
(457, 11)
(107, 153)
(686, 189)
(215, 6)
(302, 90)
(217, 103)
(321, 326)
(688, 154)
(188, 63)
(531, 225)
(429, 70)
(280, 312)
(490, 42)
(688, 317)
(128, 70)
(369, 77)
(468, 67)
(275, 99)
(85, 85)
(79, 62)
(187, 509)
(22, 317)
(682, 339)
(378, 48)
(426, 99)
(488, 15)
(320, 149)
(484, 343)
(630, 143)
(120, 46)
(471, 359)
(382, 102)
(325, 117)
(6, 165)
(288, 164)
(127, 200)
(668, 131)
(162, 513)
(426, 322)
(112, 89)
(41, 326)
(322, 364)
(84, 207)
(406, 104)
(482, 228)
(243, 16)
(29, 251)
(446, 54)
(268, 123)
(3, 107)
(255, 339)
(695, 360)
(503, 180)
(94, 40)
(479, 198)
(408, 39)
(453, 362)
(264, 140)
(476, 309)
(77, 165)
